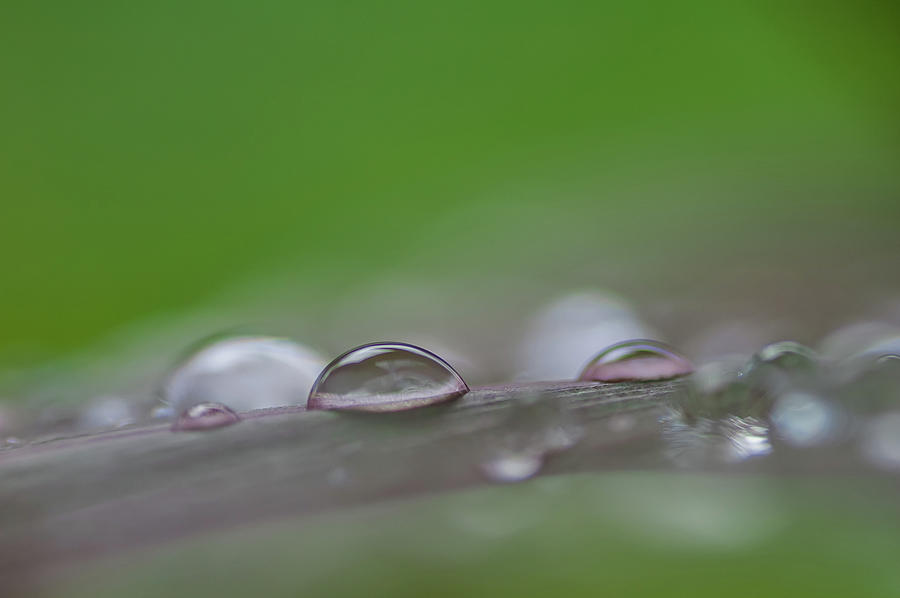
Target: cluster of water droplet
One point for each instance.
(784, 401)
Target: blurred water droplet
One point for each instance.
(385, 377)
(12, 442)
(885, 346)
(716, 376)
(162, 412)
(106, 413)
(567, 333)
(635, 360)
(245, 373)
(512, 467)
(621, 423)
(778, 367)
(804, 419)
(787, 355)
(532, 429)
(206, 416)
(698, 441)
(858, 338)
(880, 441)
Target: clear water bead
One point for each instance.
(206, 416)
(245, 373)
(385, 377)
(636, 360)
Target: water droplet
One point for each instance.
(245, 373)
(778, 367)
(12, 442)
(105, 413)
(532, 429)
(162, 412)
(786, 355)
(857, 338)
(385, 377)
(730, 439)
(567, 332)
(206, 416)
(804, 419)
(880, 441)
(636, 360)
(512, 467)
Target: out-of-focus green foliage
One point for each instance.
(153, 153)
(627, 534)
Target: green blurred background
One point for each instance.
(155, 155)
(351, 169)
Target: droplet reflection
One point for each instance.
(636, 360)
(385, 377)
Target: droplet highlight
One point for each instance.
(512, 467)
(636, 360)
(206, 416)
(382, 377)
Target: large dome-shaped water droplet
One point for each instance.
(385, 377)
(245, 373)
(636, 360)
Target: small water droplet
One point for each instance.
(206, 416)
(778, 367)
(787, 355)
(635, 360)
(245, 373)
(804, 419)
(512, 467)
(568, 331)
(533, 428)
(854, 339)
(385, 377)
(13, 442)
(880, 441)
